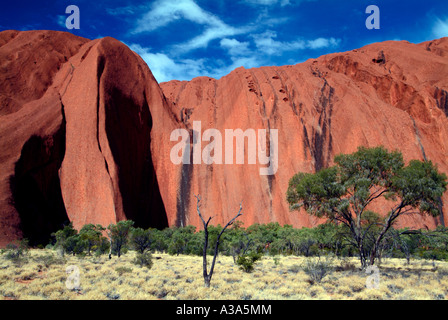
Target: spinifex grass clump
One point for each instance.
(317, 268)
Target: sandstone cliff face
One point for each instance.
(76, 135)
(85, 130)
(392, 94)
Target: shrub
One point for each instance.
(49, 259)
(91, 237)
(119, 234)
(318, 268)
(184, 240)
(246, 262)
(103, 247)
(346, 265)
(295, 268)
(144, 259)
(140, 239)
(17, 252)
(64, 238)
(277, 261)
(432, 254)
(121, 270)
(442, 273)
(72, 245)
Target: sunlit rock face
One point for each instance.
(86, 132)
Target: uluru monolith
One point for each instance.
(87, 132)
(392, 93)
(76, 135)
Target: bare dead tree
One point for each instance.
(208, 275)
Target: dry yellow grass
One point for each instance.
(180, 277)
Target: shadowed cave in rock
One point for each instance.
(35, 185)
(128, 127)
(36, 188)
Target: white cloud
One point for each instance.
(267, 19)
(165, 69)
(267, 2)
(163, 12)
(320, 43)
(266, 42)
(246, 62)
(61, 20)
(242, 45)
(235, 47)
(127, 10)
(240, 54)
(270, 3)
(440, 28)
(218, 31)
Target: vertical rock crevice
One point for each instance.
(322, 139)
(128, 126)
(36, 189)
(420, 144)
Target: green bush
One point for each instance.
(119, 234)
(72, 245)
(102, 247)
(144, 259)
(140, 239)
(17, 252)
(246, 262)
(432, 253)
(270, 239)
(90, 237)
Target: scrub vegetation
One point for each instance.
(44, 276)
(357, 254)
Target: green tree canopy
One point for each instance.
(91, 235)
(343, 192)
(119, 235)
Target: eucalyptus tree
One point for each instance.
(344, 193)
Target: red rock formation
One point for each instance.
(85, 130)
(31, 129)
(391, 93)
(76, 134)
(107, 173)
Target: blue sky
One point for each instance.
(183, 39)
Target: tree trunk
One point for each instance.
(373, 254)
(359, 242)
(207, 280)
(362, 256)
(378, 240)
(208, 276)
